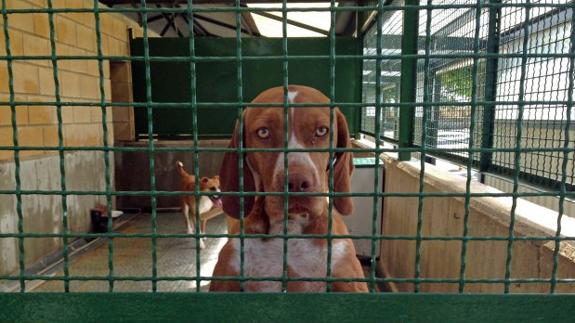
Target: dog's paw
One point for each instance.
(202, 244)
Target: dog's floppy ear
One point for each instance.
(343, 167)
(230, 180)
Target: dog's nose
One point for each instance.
(298, 183)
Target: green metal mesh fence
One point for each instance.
(489, 82)
(500, 33)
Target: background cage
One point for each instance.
(482, 89)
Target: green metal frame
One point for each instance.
(409, 44)
(490, 89)
(186, 307)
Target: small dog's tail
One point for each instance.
(181, 169)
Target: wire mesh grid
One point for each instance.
(546, 82)
(546, 79)
(533, 82)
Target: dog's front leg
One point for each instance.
(189, 223)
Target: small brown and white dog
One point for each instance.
(207, 184)
(308, 127)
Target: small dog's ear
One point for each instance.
(230, 175)
(343, 167)
(205, 180)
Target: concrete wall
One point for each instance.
(550, 202)
(38, 125)
(43, 213)
(133, 172)
(488, 217)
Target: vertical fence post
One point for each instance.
(488, 127)
(408, 77)
(358, 112)
(434, 122)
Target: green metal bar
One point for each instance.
(423, 152)
(107, 175)
(454, 281)
(376, 188)
(408, 77)
(182, 105)
(285, 79)
(241, 161)
(193, 103)
(434, 122)
(486, 158)
(15, 142)
(358, 112)
(333, 194)
(517, 156)
(331, 142)
(180, 307)
(216, 58)
(467, 201)
(246, 150)
(60, 143)
(151, 148)
(290, 236)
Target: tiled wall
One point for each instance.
(79, 79)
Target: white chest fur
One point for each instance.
(305, 259)
(205, 204)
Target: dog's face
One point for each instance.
(211, 184)
(307, 171)
(308, 127)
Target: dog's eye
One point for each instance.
(321, 131)
(263, 133)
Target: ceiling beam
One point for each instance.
(293, 23)
(219, 23)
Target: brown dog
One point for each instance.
(207, 184)
(308, 172)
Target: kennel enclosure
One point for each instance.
(468, 105)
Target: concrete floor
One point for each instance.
(133, 257)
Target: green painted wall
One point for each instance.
(217, 81)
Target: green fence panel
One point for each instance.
(498, 98)
(264, 307)
(217, 82)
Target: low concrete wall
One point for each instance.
(550, 202)
(133, 170)
(488, 217)
(43, 213)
